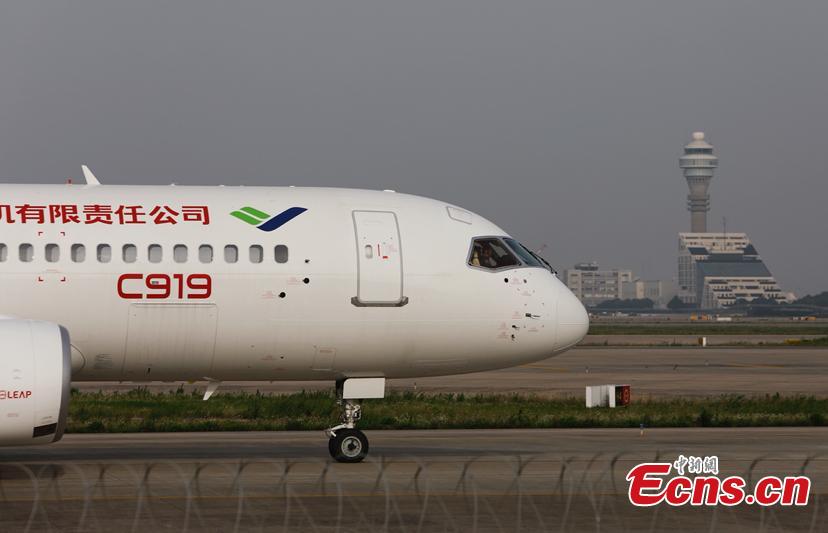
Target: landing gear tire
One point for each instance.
(348, 446)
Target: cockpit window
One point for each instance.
(491, 253)
(526, 256)
(546, 264)
(494, 253)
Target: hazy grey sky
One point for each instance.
(561, 120)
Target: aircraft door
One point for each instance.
(379, 260)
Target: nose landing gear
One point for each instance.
(346, 443)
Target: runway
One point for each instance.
(487, 480)
(734, 443)
(693, 340)
(652, 371)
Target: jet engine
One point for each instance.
(35, 374)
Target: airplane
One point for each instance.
(233, 283)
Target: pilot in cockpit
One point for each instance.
(483, 255)
(487, 257)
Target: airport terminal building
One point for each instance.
(717, 270)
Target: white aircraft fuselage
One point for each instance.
(162, 283)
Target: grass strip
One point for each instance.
(707, 329)
(822, 341)
(142, 411)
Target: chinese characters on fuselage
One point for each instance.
(103, 214)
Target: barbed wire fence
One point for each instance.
(484, 493)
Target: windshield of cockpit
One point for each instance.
(495, 253)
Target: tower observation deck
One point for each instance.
(698, 164)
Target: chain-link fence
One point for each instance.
(486, 493)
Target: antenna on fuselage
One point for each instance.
(90, 178)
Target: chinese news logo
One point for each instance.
(651, 484)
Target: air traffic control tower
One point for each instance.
(698, 164)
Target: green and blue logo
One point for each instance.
(265, 222)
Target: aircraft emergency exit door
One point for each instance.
(379, 260)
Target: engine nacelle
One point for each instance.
(35, 376)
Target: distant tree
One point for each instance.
(739, 302)
(675, 304)
(632, 303)
(819, 300)
(756, 302)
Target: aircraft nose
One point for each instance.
(573, 320)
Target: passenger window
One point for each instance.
(4, 252)
(205, 253)
(281, 253)
(52, 253)
(130, 253)
(180, 253)
(231, 253)
(256, 254)
(491, 253)
(26, 253)
(155, 253)
(78, 253)
(104, 253)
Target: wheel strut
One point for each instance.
(346, 443)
